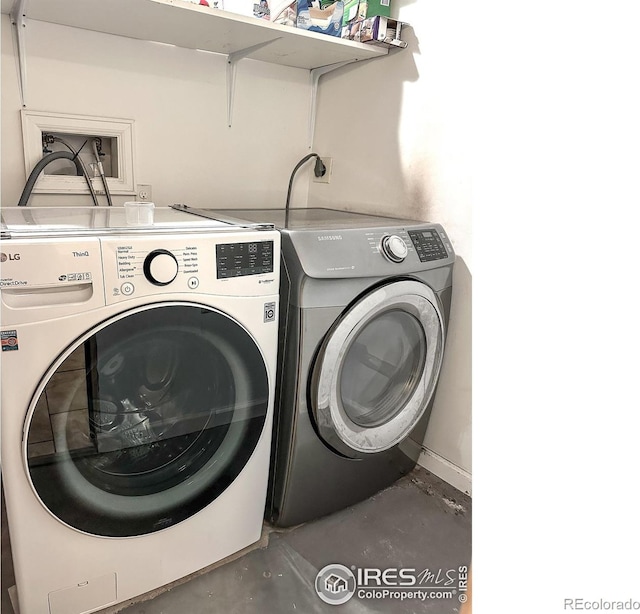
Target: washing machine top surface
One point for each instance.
(89, 221)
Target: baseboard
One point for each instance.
(445, 470)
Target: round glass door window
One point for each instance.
(147, 419)
(377, 369)
(381, 368)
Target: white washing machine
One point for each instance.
(138, 369)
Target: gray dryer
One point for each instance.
(364, 309)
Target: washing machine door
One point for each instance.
(377, 369)
(146, 419)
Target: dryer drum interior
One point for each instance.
(149, 418)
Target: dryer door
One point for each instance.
(377, 369)
(146, 419)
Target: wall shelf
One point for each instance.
(192, 26)
(196, 27)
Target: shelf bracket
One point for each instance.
(19, 20)
(232, 62)
(315, 74)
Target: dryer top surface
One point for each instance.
(310, 219)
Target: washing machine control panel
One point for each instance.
(238, 259)
(224, 264)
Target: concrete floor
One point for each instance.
(420, 522)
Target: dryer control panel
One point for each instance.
(428, 244)
(369, 252)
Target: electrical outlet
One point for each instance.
(143, 192)
(328, 162)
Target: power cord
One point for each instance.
(319, 170)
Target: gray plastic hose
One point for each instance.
(45, 161)
(96, 155)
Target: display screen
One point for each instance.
(239, 259)
(428, 245)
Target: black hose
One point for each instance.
(45, 161)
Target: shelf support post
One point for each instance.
(232, 62)
(19, 20)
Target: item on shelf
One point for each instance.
(261, 9)
(362, 9)
(278, 11)
(284, 12)
(214, 4)
(382, 31)
(321, 16)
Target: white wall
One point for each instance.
(398, 130)
(177, 98)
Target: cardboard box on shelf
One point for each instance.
(377, 30)
(322, 16)
(361, 9)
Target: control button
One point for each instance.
(160, 267)
(127, 288)
(394, 248)
(193, 282)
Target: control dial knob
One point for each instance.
(394, 248)
(160, 267)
